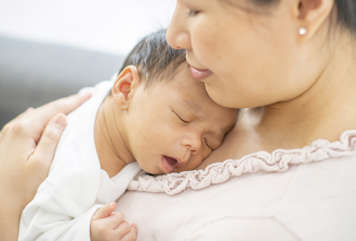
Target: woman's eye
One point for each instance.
(192, 12)
(180, 118)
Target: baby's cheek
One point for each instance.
(201, 159)
(205, 155)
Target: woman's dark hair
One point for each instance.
(346, 11)
(154, 58)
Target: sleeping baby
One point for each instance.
(153, 117)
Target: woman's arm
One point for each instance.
(27, 146)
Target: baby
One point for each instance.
(154, 117)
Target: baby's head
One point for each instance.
(169, 122)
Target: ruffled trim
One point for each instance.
(279, 160)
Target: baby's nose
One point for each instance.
(193, 143)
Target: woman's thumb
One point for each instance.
(105, 211)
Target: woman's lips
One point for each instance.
(200, 74)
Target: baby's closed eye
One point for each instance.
(213, 142)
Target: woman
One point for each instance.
(295, 59)
(27, 145)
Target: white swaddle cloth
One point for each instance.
(76, 185)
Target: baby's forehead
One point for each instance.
(204, 108)
(191, 94)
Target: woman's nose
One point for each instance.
(177, 35)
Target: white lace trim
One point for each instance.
(278, 161)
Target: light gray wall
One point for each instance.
(112, 26)
(37, 63)
(33, 73)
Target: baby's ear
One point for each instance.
(125, 85)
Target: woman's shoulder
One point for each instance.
(280, 160)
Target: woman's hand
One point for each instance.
(27, 146)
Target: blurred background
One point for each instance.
(52, 48)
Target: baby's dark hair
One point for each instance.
(154, 58)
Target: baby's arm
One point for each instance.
(55, 226)
(62, 209)
(107, 225)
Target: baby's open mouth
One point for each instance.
(169, 164)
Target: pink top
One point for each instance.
(300, 194)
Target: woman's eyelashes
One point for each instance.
(193, 12)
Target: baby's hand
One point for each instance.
(107, 225)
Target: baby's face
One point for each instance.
(174, 125)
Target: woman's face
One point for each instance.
(246, 55)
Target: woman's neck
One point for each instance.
(325, 110)
(110, 139)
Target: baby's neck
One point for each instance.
(110, 142)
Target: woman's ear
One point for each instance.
(311, 15)
(125, 85)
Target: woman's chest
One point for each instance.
(248, 136)
(238, 143)
(299, 198)
(180, 217)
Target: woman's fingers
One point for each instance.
(51, 135)
(29, 141)
(10, 124)
(64, 105)
(46, 147)
(34, 121)
(26, 129)
(27, 147)
(30, 109)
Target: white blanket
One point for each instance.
(76, 186)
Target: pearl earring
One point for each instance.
(302, 31)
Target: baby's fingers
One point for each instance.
(105, 211)
(131, 235)
(123, 229)
(115, 220)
